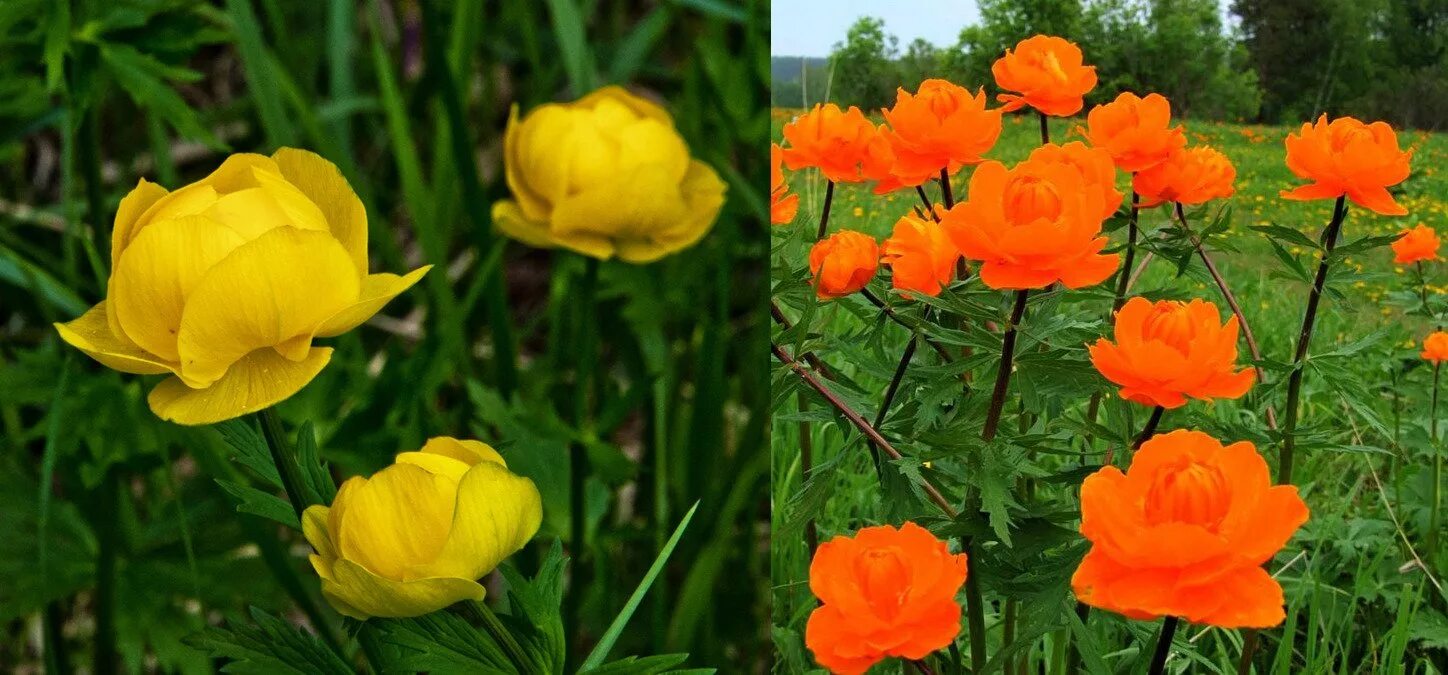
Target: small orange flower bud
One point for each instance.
(1193, 176)
(1347, 157)
(1435, 347)
(1184, 532)
(1418, 243)
(883, 593)
(1048, 73)
(1033, 225)
(1136, 130)
(831, 140)
(1168, 350)
(782, 205)
(942, 126)
(920, 256)
(843, 263)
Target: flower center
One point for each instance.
(884, 580)
(1170, 323)
(1029, 199)
(1052, 65)
(1346, 135)
(1195, 494)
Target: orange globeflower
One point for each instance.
(941, 126)
(1032, 226)
(1094, 164)
(1048, 73)
(843, 263)
(884, 592)
(782, 205)
(831, 140)
(1192, 176)
(921, 258)
(878, 165)
(1435, 347)
(1185, 531)
(1347, 157)
(1136, 131)
(1168, 350)
(1418, 243)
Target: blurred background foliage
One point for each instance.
(1266, 61)
(410, 102)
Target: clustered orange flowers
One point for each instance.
(1185, 531)
(941, 126)
(1049, 74)
(1415, 245)
(843, 263)
(829, 139)
(1167, 351)
(1136, 131)
(920, 257)
(1345, 157)
(1192, 176)
(883, 592)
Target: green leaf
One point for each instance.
(442, 642)
(568, 21)
(636, 665)
(1287, 235)
(610, 636)
(315, 477)
(536, 605)
(269, 646)
(251, 500)
(256, 66)
(251, 449)
(143, 78)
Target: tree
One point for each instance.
(865, 70)
(921, 62)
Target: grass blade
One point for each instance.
(610, 636)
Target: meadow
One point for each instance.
(1362, 591)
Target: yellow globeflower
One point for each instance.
(224, 283)
(417, 535)
(607, 175)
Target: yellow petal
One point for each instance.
(238, 172)
(398, 520)
(703, 194)
(542, 157)
(325, 186)
(434, 464)
(277, 287)
(91, 333)
(187, 201)
(497, 513)
(648, 141)
(530, 201)
(353, 591)
(510, 219)
(632, 207)
(259, 380)
(132, 206)
(314, 528)
(158, 272)
(467, 451)
(638, 105)
(377, 290)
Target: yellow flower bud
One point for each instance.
(225, 282)
(607, 175)
(417, 535)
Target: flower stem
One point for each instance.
(1003, 375)
(890, 391)
(585, 343)
(1436, 518)
(1124, 275)
(1149, 429)
(108, 503)
(825, 212)
(1294, 382)
(974, 609)
(1163, 646)
(947, 196)
(1250, 637)
(1045, 129)
(483, 614)
(283, 457)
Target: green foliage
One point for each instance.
(864, 68)
(269, 645)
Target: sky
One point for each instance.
(812, 27)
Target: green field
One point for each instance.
(1357, 600)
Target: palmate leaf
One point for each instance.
(537, 619)
(442, 642)
(644, 665)
(269, 646)
(144, 79)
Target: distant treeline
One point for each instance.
(1280, 61)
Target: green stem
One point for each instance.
(1163, 646)
(90, 162)
(107, 532)
(1045, 129)
(585, 344)
(974, 610)
(947, 196)
(284, 459)
(1436, 519)
(825, 212)
(1003, 374)
(1150, 428)
(57, 660)
(371, 649)
(1294, 382)
(1250, 637)
(893, 389)
(483, 614)
(1123, 277)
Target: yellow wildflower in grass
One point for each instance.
(224, 283)
(417, 535)
(607, 175)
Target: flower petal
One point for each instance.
(360, 594)
(398, 520)
(497, 513)
(91, 333)
(278, 287)
(377, 290)
(512, 221)
(258, 380)
(326, 187)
